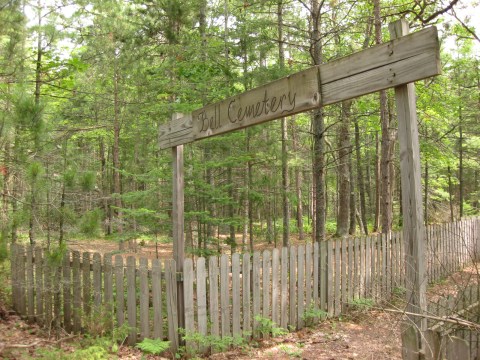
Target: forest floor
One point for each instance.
(368, 334)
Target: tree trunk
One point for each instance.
(298, 183)
(116, 155)
(386, 186)
(360, 180)
(343, 213)
(318, 131)
(460, 166)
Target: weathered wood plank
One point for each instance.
(119, 287)
(213, 293)
(323, 276)
(275, 286)
(157, 299)
(108, 289)
(77, 292)
(236, 315)
(246, 293)
(352, 269)
(284, 289)
(20, 263)
(225, 295)
(202, 298)
(178, 223)
(30, 292)
(330, 278)
(256, 291)
(397, 62)
(86, 282)
(67, 293)
(131, 300)
(344, 285)
(301, 287)
(411, 182)
(308, 276)
(48, 293)
(266, 265)
(189, 301)
(144, 299)
(171, 290)
(293, 287)
(316, 303)
(97, 284)
(338, 279)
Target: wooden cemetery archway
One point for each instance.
(395, 64)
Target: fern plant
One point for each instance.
(153, 346)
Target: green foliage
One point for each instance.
(153, 346)
(55, 254)
(3, 245)
(90, 222)
(216, 343)
(269, 327)
(291, 350)
(87, 181)
(313, 315)
(361, 304)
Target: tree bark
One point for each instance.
(343, 213)
(318, 130)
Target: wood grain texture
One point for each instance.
(188, 279)
(97, 283)
(29, 287)
(213, 295)
(284, 289)
(157, 299)
(86, 284)
(300, 286)
(236, 313)
(292, 297)
(266, 286)
(276, 286)
(131, 300)
(256, 291)
(144, 299)
(225, 295)
(67, 292)
(77, 293)
(407, 59)
(246, 295)
(119, 289)
(202, 298)
(171, 296)
(108, 289)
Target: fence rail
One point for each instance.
(224, 295)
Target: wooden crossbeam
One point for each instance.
(410, 58)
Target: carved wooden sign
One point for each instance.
(401, 61)
(284, 97)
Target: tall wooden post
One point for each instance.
(413, 225)
(178, 225)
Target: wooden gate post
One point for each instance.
(413, 225)
(178, 225)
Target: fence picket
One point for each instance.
(338, 294)
(330, 278)
(77, 293)
(144, 299)
(47, 284)
(189, 304)
(275, 286)
(284, 289)
(30, 293)
(236, 329)
(246, 268)
(323, 276)
(202, 298)
(224, 295)
(213, 293)
(368, 267)
(22, 308)
(86, 282)
(120, 298)
(157, 299)
(308, 276)
(316, 304)
(266, 285)
(67, 294)
(300, 286)
(256, 292)
(172, 311)
(108, 289)
(343, 257)
(131, 300)
(97, 283)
